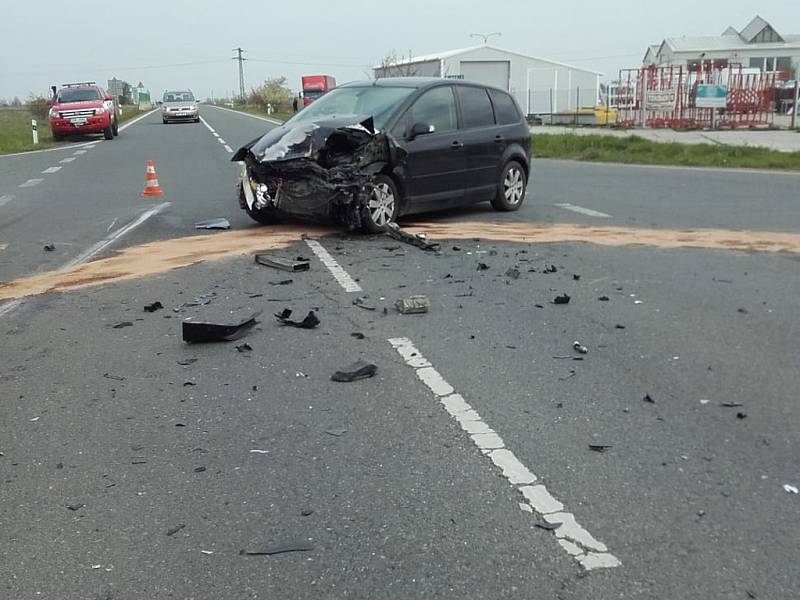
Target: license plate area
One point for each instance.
(78, 120)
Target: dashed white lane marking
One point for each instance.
(69, 159)
(584, 211)
(215, 134)
(31, 183)
(228, 148)
(339, 274)
(221, 141)
(51, 170)
(5, 199)
(574, 539)
(79, 152)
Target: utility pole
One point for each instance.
(241, 60)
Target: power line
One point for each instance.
(306, 64)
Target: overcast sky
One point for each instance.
(49, 42)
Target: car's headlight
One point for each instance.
(193, 107)
(100, 110)
(54, 113)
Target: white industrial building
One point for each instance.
(757, 46)
(540, 86)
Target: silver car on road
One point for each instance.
(179, 106)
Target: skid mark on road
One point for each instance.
(158, 257)
(574, 539)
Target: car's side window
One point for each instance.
(435, 107)
(476, 108)
(504, 108)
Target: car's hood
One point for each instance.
(303, 139)
(78, 105)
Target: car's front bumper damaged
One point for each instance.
(322, 170)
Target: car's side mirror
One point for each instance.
(109, 98)
(421, 129)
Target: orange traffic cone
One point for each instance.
(151, 187)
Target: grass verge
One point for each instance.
(15, 129)
(258, 111)
(635, 150)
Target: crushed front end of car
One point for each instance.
(319, 170)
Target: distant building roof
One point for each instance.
(755, 27)
(730, 31)
(451, 53)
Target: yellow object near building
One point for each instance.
(605, 116)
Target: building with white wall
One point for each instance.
(758, 46)
(539, 85)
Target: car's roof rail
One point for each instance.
(78, 84)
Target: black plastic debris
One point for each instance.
(281, 282)
(743, 311)
(213, 224)
(280, 548)
(603, 298)
(361, 302)
(550, 269)
(513, 273)
(358, 370)
(244, 347)
(393, 230)
(306, 512)
(199, 469)
(198, 332)
(482, 266)
(336, 431)
(413, 305)
(599, 447)
(75, 507)
(310, 321)
(187, 361)
(153, 307)
(741, 415)
(576, 277)
(548, 526)
(189, 383)
(649, 398)
(358, 335)
(49, 247)
(114, 377)
(456, 248)
(276, 262)
(562, 299)
(618, 326)
(122, 325)
(172, 531)
(579, 348)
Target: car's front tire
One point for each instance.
(108, 132)
(115, 128)
(383, 205)
(511, 188)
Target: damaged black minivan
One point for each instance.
(368, 152)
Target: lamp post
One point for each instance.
(485, 36)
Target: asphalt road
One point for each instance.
(126, 474)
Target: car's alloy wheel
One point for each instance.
(382, 204)
(511, 188)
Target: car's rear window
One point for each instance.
(476, 108)
(78, 95)
(505, 109)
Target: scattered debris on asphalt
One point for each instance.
(153, 307)
(741, 415)
(284, 264)
(743, 311)
(280, 548)
(199, 469)
(618, 326)
(358, 370)
(114, 377)
(579, 348)
(599, 447)
(213, 224)
(187, 361)
(281, 282)
(413, 305)
(550, 269)
(176, 529)
(244, 347)
(790, 489)
(75, 507)
(336, 432)
(483, 266)
(361, 302)
(197, 332)
(309, 322)
(306, 512)
(513, 273)
(420, 240)
(604, 298)
(122, 325)
(572, 373)
(49, 247)
(731, 404)
(648, 398)
(358, 335)
(562, 299)
(547, 526)
(576, 277)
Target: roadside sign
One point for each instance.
(711, 96)
(663, 100)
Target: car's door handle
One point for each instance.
(457, 145)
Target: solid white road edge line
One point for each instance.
(124, 126)
(96, 249)
(209, 127)
(339, 274)
(584, 211)
(239, 112)
(574, 539)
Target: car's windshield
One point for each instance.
(375, 101)
(178, 97)
(78, 95)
